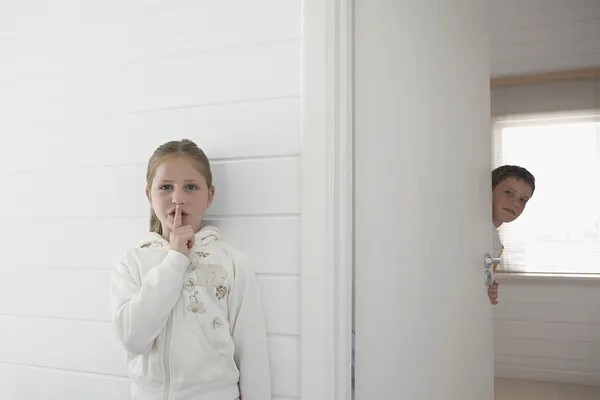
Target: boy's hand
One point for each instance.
(181, 237)
(493, 293)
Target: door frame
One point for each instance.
(326, 267)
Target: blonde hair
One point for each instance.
(176, 148)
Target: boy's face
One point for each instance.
(509, 199)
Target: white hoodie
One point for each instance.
(193, 327)
(497, 245)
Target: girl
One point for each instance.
(186, 305)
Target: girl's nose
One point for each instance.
(177, 197)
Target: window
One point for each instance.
(559, 231)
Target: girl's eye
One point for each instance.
(165, 187)
(191, 187)
(523, 200)
(508, 192)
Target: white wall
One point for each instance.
(88, 91)
(509, 389)
(544, 35)
(548, 328)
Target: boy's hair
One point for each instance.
(176, 148)
(512, 171)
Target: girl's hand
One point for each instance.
(181, 238)
(493, 293)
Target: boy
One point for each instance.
(512, 187)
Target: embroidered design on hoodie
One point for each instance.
(211, 274)
(189, 285)
(217, 323)
(153, 244)
(196, 306)
(220, 292)
(192, 267)
(210, 277)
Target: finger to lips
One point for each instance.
(177, 222)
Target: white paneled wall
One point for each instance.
(531, 36)
(548, 330)
(88, 91)
(509, 389)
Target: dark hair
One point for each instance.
(175, 148)
(512, 171)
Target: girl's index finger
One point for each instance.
(177, 222)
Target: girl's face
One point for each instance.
(177, 181)
(509, 200)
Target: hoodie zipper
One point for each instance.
(166, 359)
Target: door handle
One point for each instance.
(489, 261)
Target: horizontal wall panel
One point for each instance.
(272, 244)
(23, 382)
(547, 312)
(56, 292)
(63, 344)
(269, 71)
(259, 186)
(58, 248)
(570, 47)
(551, 12)
(532, 66)
(560, 331)
(548, 292)
(281, 302)
(544, 33)
(248, 129)
(40, 17)
(187, 27)
(554, 364)
(544, 375)
(582, 351)
(285, 365)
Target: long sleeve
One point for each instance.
(246, 317)
(141, 309)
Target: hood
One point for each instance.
(204, 236)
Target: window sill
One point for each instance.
(521, 276)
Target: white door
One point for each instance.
(422, 200)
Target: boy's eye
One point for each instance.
(508, 192)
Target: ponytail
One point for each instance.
(155, 225)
